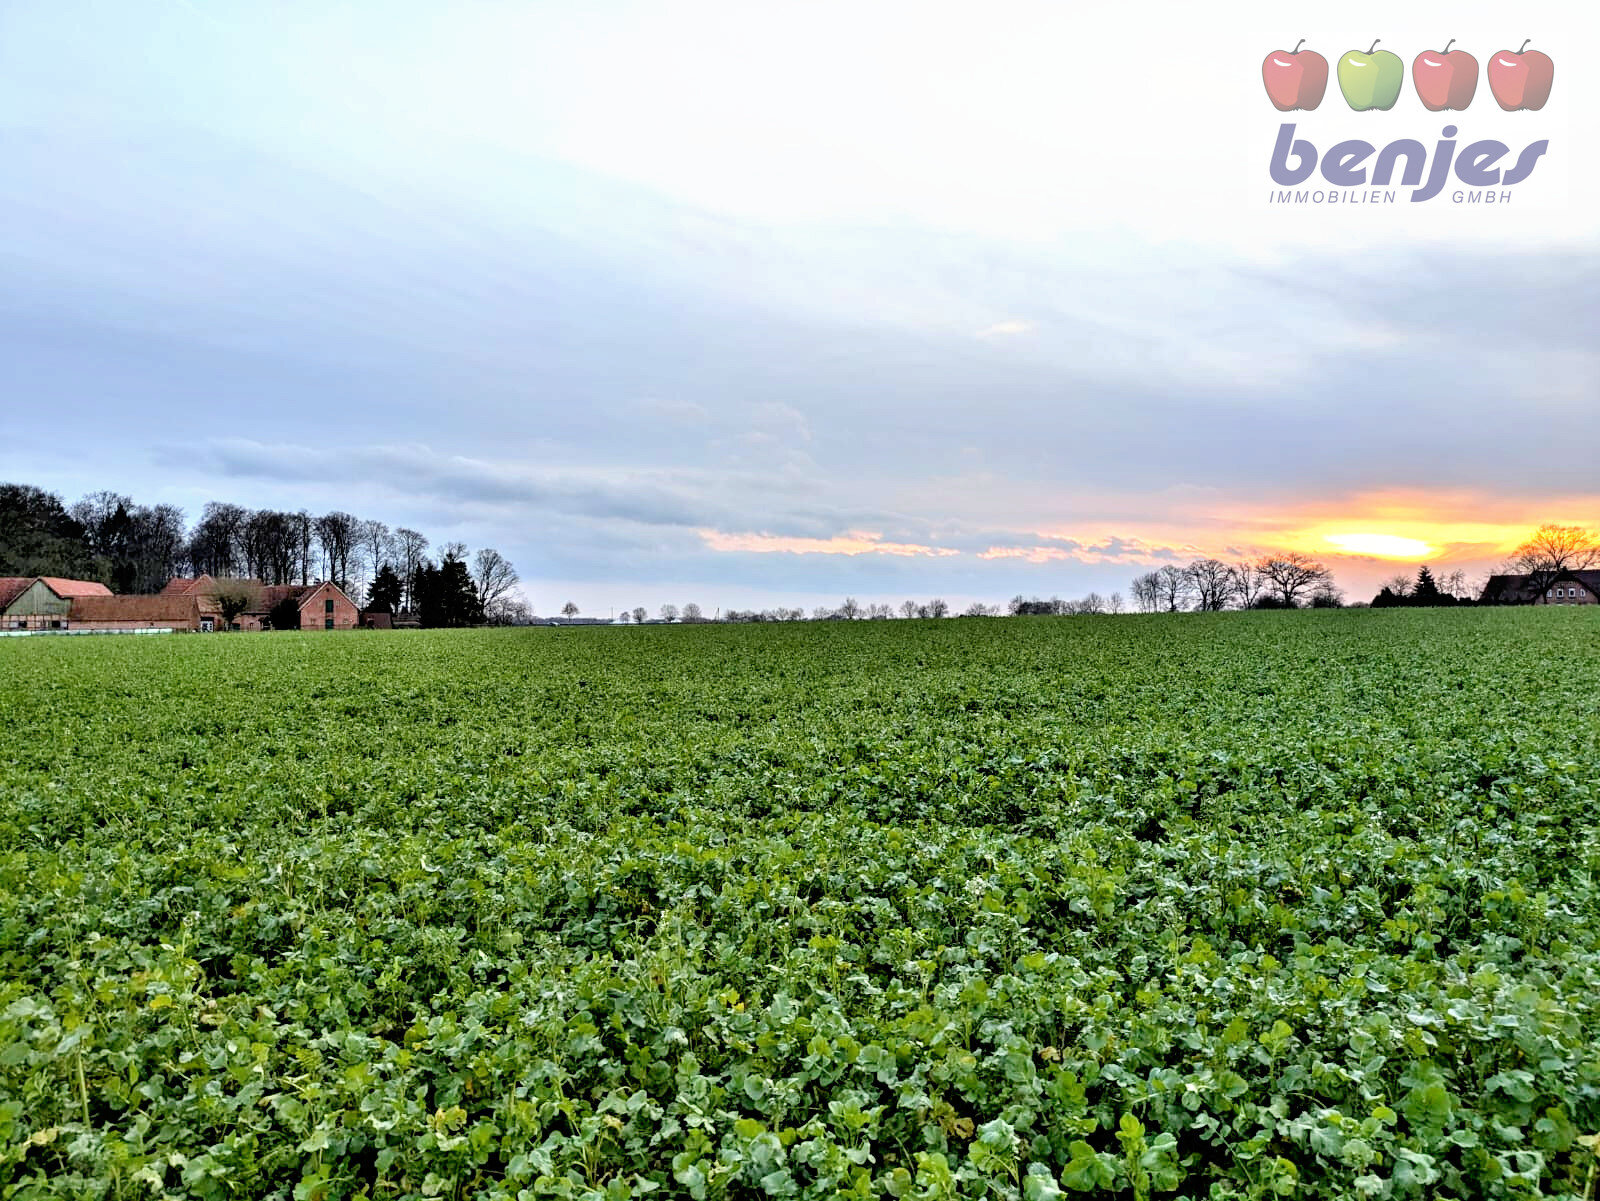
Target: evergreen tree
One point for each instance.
(1426, 591)
(117, 546)
(285, 615)
(383, 595)
(459, 594)
(445, 595)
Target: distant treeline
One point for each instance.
(136, 549)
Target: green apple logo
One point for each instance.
(1371, 80)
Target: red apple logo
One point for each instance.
(1295, 78)
(1520, 80)
(1445, 78)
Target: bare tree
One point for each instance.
(305, 530)
(1248, 583)
(1211, 583)
(165, 550)
(851, 608)
(95, 513)
(1092, 604)
(938, 608)
(691, 613)
(1147, 592)
(211, 543)
(1455, 584)
(1552, 550)
(1292, 575)
(1327, 595)
(494, 577)
(1115, 603)
(908, 609)
(1399, 584)
(337, 533)
(511, 611)
(409, 547)
(1173, 588)
(373, 537)
(639, 616)
(569, 610)
(669, 613)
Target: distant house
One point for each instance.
(129, 613)
(1567, 588)
(42, 602)
(321, 606)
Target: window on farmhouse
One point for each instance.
(327, 605)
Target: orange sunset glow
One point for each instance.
(1382, 546)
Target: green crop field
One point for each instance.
(1266, 905)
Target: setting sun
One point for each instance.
(1386, 546)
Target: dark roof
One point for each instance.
(1513, 585)
(13, 586)
(133, 608)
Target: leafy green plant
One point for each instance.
(1244, 906)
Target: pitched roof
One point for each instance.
(178, 586)
(1515, 584)
(272, 595)
(13, 586)
(133, 608)
(70, 589)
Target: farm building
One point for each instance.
(322, 606)
(46, 603)
(42, 602)
(1567, 588)
(127, 613)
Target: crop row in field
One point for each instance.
(1259, 905)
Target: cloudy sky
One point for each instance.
(769, 303)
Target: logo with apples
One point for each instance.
(1371, 79)
(1445, 79)
(1521, 80)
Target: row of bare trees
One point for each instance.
(1281, 580)
(355, 553)
(282, 547)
